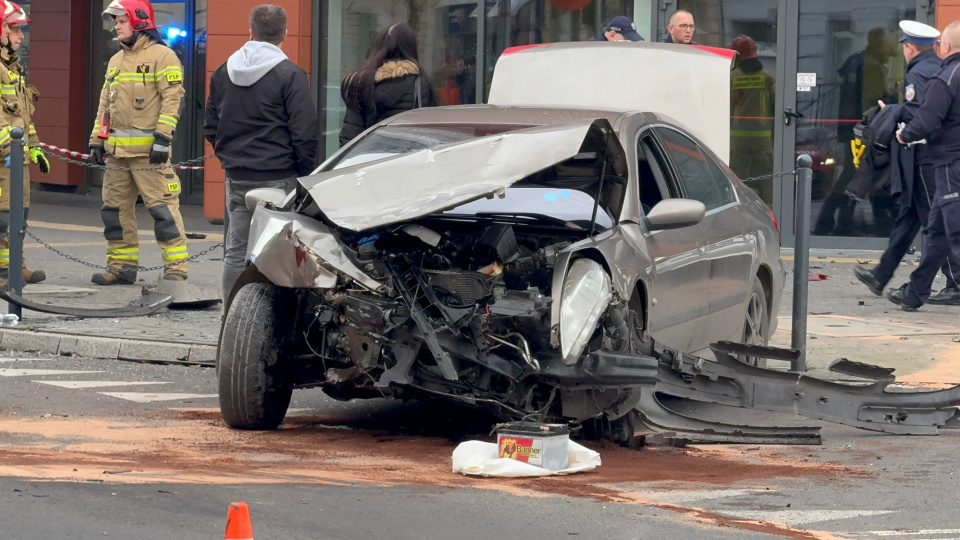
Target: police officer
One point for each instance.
(139, 110)
(753, 93)
(937, 121)
(916, 186)
(18, 105)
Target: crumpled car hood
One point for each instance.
(416, 184)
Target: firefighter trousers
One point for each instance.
(160, 190)
(5, 211)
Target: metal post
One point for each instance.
(801, 261)
(17, 225)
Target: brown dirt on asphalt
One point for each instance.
(195, 446)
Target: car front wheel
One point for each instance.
(253, 392)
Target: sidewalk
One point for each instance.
(845, 320)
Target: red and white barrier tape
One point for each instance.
(86, 157)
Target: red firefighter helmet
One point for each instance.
(139, 11)
(745, 46)
(14, 15)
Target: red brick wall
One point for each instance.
(228, 28)
(58, 60)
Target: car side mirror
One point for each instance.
(272, 196)
(675, 214)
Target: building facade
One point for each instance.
(825, 46)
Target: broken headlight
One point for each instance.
(586, 295)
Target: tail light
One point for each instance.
(773, 218)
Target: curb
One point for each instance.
(110, 348)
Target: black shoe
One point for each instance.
(897, 297)
(948, 296)
(866, 277)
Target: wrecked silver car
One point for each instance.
(515, 260)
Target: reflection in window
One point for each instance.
(696, 171)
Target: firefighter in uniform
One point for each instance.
(752, 101)
(916, 186)
(139, 108)
(938, 122)
(18, 103)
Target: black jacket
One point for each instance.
(266, 130)
(394, 91)
(938, 118)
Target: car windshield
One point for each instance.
(575, 208)
(392, 140)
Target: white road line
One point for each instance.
(23, 372)
(903, 532)
(800, 517)
(685, 497)
(96, 384)
(152, 397)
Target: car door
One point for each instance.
(725, 245)
(677, 277)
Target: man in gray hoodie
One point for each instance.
(263, 127)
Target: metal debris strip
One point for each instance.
(192, 258)
(150, 302)
(77, 158)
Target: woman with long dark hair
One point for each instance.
(390, 81)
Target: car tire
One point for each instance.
(252, 390)
(756, 323)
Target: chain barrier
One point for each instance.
(768, 176)
(83, 161)
(192, 258)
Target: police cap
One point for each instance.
(916, 32)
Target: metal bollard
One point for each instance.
(801, 261)
(17, 225)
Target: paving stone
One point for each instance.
(89, 347)
(153, 351)
(24, 341)
(202, 353)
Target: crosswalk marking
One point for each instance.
(907, 532)
(138, 397)
(801, 517)
(97, 384)
(24, 372)
(682, 497)
(24, 359)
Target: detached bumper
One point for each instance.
(296, 251)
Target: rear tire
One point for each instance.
(253, 392)
(756, 323)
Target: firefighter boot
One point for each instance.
(29, 276)
(174, 275)
(116, 276)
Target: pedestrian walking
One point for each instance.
(263, 127)
(916, 184)
(19, 99)
(681, 28)
(139, 109)
(937, 121)
(391, 81)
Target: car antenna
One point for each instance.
(603, 172)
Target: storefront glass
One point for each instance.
(448, 36)
(849, 49)
(751, 28)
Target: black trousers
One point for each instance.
(942, 242)
(910, 221)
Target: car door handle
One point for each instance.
(789, 114)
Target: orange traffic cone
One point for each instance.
(238, 522)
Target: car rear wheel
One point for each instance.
(756, 323)
(253, 392)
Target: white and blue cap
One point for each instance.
(919, 33)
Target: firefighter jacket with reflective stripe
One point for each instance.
(752, 100)
(17, 104)
(143, 93)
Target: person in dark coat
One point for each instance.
(389, 82)
(913, 173)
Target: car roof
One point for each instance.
(492, 114)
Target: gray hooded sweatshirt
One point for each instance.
(253, 61)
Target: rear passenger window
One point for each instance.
(703, 179)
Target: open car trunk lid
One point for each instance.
(416, 184)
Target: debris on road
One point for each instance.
(817, 277)
(477, 458)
